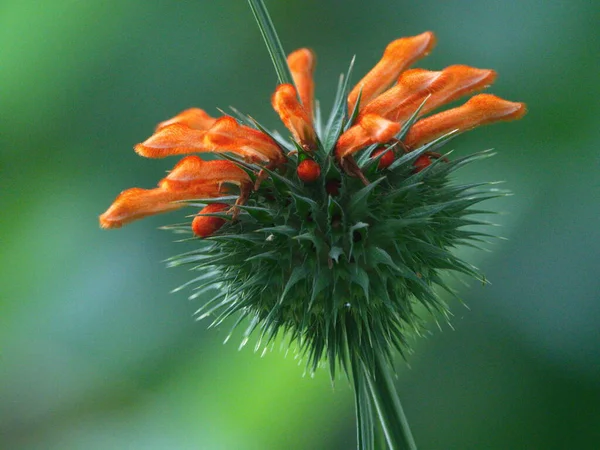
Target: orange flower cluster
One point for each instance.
(384, 108)
(389, 94)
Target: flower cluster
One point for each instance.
(335, 236)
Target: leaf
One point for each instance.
(361, 196)
(411, 120)
(272, 41)
(339, 111)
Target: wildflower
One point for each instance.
(335, 237)
(336, 221)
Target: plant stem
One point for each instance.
(387, 403)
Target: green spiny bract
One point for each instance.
(340, 271)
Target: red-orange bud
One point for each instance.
(204, 226)
(309, 171)
(422, 162)
(386, 160)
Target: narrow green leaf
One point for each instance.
(269, 34)
(338, 113)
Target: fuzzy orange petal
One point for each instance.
(302, 65)
(398, 56)
(194, 170)
(412, 84)
(294, 115)
(195, 118)
(174, 139)
(401, 101)
(226, 135)
(480, 110)
(137, 203)
(371, 129)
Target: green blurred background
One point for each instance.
(95, 353)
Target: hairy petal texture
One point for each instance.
(193, 170)
(226, 135)
(294, 116)
(137, 203)
(370, 129)
(195, 118)
(302, 66)
(480, 110)
(400, 102)
(176, 139)
(398, 56)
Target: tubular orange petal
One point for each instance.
(480, 110)
(413, 85)
(136, 203)
(302, 65)
(402, 100)
(398, 56)
(226, 135)
(204, 226)
(174, 139)
(294, 115)
(195, 118)
(194, 170)
(370, 129)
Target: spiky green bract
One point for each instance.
(341, 275)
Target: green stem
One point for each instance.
(387, 403)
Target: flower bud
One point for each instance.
(422, 162)
(309, 171)
(205, 226)
(386, 160)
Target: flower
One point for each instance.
(336, 236)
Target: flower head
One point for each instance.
(335, 237)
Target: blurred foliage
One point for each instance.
(95, 354)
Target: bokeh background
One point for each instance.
(96, 354)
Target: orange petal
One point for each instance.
(398, 55)
(479, 110)
(226, 135)
(136, 203)
(401, 101)
(195, 118)
(370, 129)
(174, 139)
(204, 226)
(194, 170)
(294, 115)
(413, 85)
(302, 65)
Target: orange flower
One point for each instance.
(398, 56)
(195, 118)
(401, 101)
(482, 109)
(193, 170)
(191, 178)
(370, 129)
(398, 103)
(294, 116)
(224, 135)
(302, 66)
(137, 203)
